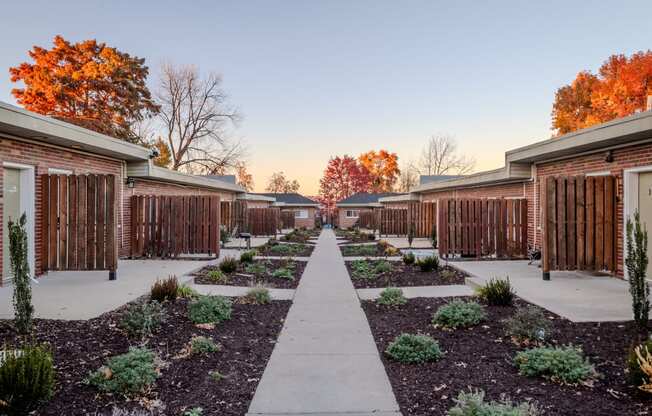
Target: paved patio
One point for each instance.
(579, 297)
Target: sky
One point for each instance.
(315, 79)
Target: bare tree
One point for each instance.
(195, 117)
(408, 178)
(440, 157)
(279, 184)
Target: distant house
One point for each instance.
(304, 209)
(351, 207)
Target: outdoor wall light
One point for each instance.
(609, 157)
(130, 183)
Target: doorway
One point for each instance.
(18, 198)
(645, 209)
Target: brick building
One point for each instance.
(304, 209)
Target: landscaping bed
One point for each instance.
(81, 347)
(481, 357)
(380, 249)
(371, 273)
(300, 236)
(285, 249)
(258, 272)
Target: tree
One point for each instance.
(195, 117)
(243, 177)
(440, 157)
(636, 262)
(278, 184)
(164, 158)
(408, 178)
(23, 309)
(343, 177)
(88, 84)
(621, 88)
(382, 167)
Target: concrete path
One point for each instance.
(420, 292)
(579, 297)
(325, 361)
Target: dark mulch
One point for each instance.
(242, 278)
(409, 275)
(80, 347)
(300, 250)
(481, 357)
(355, 250)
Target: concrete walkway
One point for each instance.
(325, 361)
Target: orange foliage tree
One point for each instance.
(343, 177)
(86, 83)
(621, 88)
(244, 178)
(383, 169)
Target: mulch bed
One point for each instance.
(80, 347)
(348, 250)
(306, 250)
(481, 357)
(242, 278)
(409, 275)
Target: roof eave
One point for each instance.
(147, 170)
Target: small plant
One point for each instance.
(257, 295)
(23, 308)
(283, 273)
(225, 235)
(163, 290)
(448, 275)
(433, 236)
(382, 266)
(497, 292)
(428, 264)
(128, 374)
(229, 265)
(361, 269)
(216, 375)
(26, 379)
(565, 365)
(635, 373)
(459, 314)
(365, 250)
(414, 349)
(186, 292)
(209, 310)
(247, 257)
(392, 296)
(409, 258)
(142, 319)
(217, 276)
(287, 249)
(644, 359)
(473, 404)
(203, 345)
(195, 411)
(391, 251)
(410, 236)
(637, 261)
(528, 325)
(257, 269)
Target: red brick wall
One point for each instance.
(345, 222)
(308, 223)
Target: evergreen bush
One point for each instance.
(459, 314)
(23, 308)
(636, 262)
(414, 349)
(497, 292)
(565, 365)
(209, 310)
(128, 374)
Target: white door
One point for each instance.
(11, 212)
(645, 208)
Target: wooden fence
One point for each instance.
(368, 220)
(287, 219)
(263, 221)
(580, 220)
(392, 221)
(171, 226)
(423, 217)
(483, 227)
(233, 215)
(78, 223)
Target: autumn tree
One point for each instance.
(440, 157)
(279, 184)
(382, 167)
(343, 177)
(88, 84)
(243, 177)
(164, 157)
(408, 178)
(620, 89)
(195, 117)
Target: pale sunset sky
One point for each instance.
(314, 79)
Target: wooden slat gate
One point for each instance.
(367, 219)
(482, 228)
(580, 223)
(287, 219)
(392, 221)
(233, 215)
(264, 221)
(171, 226)
(79, 223)
(423, 217)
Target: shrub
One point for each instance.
(257, 295)
(359, 250)
(383, 244)
(142, 319)
(215, 375)
(409, 258)
(473, 404)
(414, 349)
(23, 308)
(195, 411)
(637, 261)
(392, 251)
(644, 359)
(217, 276)
(635, 374)
(392, 296)
(225, 235)
(497, 292)
(203, 345)
(229, 265)
(287, 249)
(433, 236)
(361, 269)
(459, 314)
(26, 379)
(428, 264)
(448, 275)
(186, 292)
(382, 266)
(565, 365)
(128, 374)
(247, 256)
(257, 269)
(283, 273)
(410, 236)
(528, 325)
(209, 310)
(163, 290)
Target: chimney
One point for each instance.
(648, 107)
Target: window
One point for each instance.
(352, 213)
(301, 213)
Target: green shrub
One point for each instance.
(459, 314)
(209, 310)
(636, 261)
(217, 276)
(361, 269)
(229, 265)
(283, 273)
(142, 319)
(215, 375)
(257, 269)
(195, 411)
(497, 292)
(448, 275)
(473, 404)
(163, 290)
(128, 374)
(203, 345)
(392, 296)
(528, 325)
(22, 299)
(409, 258)
(26, 379)
(186, 292)
(414, 349)
(428, 264)
(247, 256)
(635, 374)
(287, 249)
(257, 295)
(565, 365)
(359, 250)
(382, 266)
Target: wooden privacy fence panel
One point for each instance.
(78, 222)
(482, 227)
(287, 219)
(580, 220)
(233, 215)
(367, 219)
(170, 226)
(264, 221)
(423, 217)
(392, 221)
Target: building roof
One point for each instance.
(255, 197)
(147, 170)
(436, 178)
(364, 199)
(223, 178)
(291, 199)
